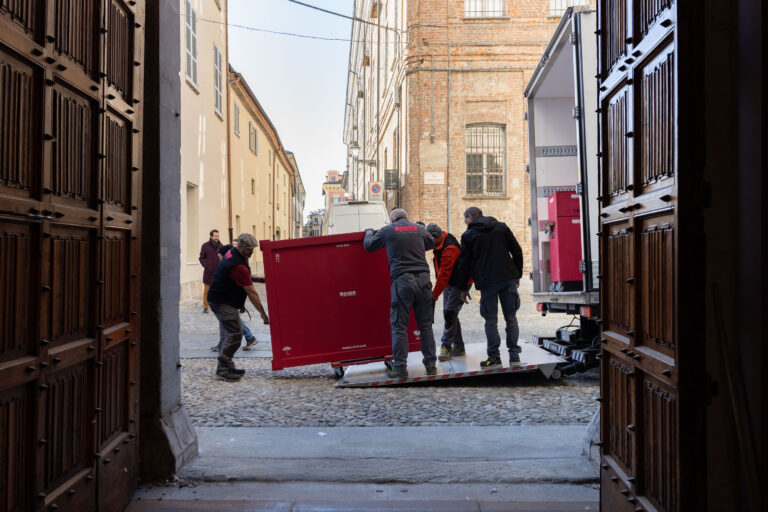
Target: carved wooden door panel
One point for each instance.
(70, 118)
(641, 426)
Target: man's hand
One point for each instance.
(265, 318)
(517, 282)
(258, 279)
(371, 231)
(463, 296)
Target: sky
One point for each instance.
(301, 83)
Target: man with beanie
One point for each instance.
(406, 244)
(445, 254)
(229, 289)
(491, 256)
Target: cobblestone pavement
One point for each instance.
(306, 396)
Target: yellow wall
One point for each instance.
(203, 142)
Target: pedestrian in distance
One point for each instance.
(491, 256)
(445, 254)
(250, 339)
(406, 244)
(231, 285)
(209, 259)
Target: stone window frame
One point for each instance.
(485, 140)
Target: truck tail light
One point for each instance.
(585, 311)
(541, 307)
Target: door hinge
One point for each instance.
(529, 221)
(525, 116)
(580, 188)
(527, 169)
(582, 266)
(573, 38)
(576, 112)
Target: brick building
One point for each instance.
(435, 95)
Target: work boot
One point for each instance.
(238, 371)
(249, 343)
(431, 370)
(514, 358)
(228, 374)
(215, 348)
(445, 354)
(394, 373)
(491, 363)
(458, 352)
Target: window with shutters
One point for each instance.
(486, 159)
(253, 139)
(190, 42)
(485, 8)
(236, 120)
(217, 96)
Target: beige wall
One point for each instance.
(203, 143)
(263, 186)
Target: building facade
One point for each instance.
(435, 101)
(333, 188)
(315, 222)
(204, 181)
(267, 191)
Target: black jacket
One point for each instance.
(489, 254)
(223, 288)
(405, 242)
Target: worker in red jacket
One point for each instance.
(446, 252)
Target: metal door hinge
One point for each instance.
(573, 38)
(576, 112)
(580, 188)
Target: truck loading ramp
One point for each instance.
(532, 358)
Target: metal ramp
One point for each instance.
(532, 358)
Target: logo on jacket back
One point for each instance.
(399, 229)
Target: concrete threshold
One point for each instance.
(409, 455)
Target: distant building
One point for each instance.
(315, 222)
(333, 188)
(435, 101)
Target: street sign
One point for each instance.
(376, 191)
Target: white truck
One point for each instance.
(352, 216)
(562, 139)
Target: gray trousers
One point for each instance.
(451, 306)
(506, 293)
(231, 329)
(412, 291)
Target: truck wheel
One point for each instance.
(556, 374)
(338, 372)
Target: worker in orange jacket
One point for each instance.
(446, 252)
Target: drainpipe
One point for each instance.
(378, 85)
(229, 116)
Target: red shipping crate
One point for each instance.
(565, 241)
(328, 301)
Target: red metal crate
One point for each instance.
(328, 301)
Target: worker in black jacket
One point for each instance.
(406, 243)
(491, 256)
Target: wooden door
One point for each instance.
(642, 468)
(70, 147)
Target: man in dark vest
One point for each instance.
(445, 254)
(491, 256)
(231, 285)
(406, 243)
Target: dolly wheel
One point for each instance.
(556, 374)
(338, 372)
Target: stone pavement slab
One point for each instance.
(515, 454)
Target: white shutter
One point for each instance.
(193, 36)
(216, 78)
(237, 119)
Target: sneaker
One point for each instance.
(445, 354)
(215, 348)
(394, 373)
(514, 358)
(490, 363)
(238, 371)
(249, 343)
(431, 370)
(458, 352)
(228, 374)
